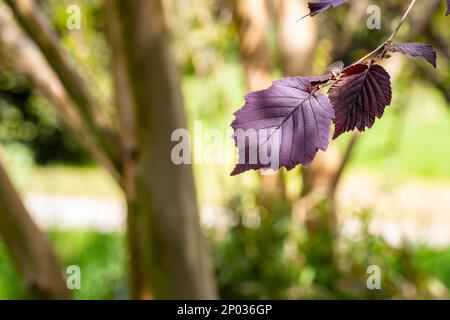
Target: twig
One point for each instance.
(394, 33)
(345, 159)
(401, 21)
(306, 15)
(32, 20)
(347, 154)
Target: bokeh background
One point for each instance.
(381, 198)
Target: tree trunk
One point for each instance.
(138, 286)
(297, 39)
(24, 57)
(253, 23)
(173, 250)
(34, 23)
(28, 246)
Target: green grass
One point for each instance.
(411, 140)
(101, 258)
(435, 262)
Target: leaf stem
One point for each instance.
(394, 33)
(411, 5)
(306, 15)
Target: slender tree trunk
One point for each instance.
(323, 175)
(252, 19)
(253, 25)
(173, 249)
(28, 246)
(138, 286)
(23, 56)
(297, 39)
(297, 42)
(34, 23)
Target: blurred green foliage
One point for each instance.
(255, 263)
(101, 258)
(270, 261)
(27, 119)
(261, 254)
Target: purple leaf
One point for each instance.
(448, 8)
(360, 94)
(415, 50)
(289, 110)
(322, 5)
(319, 79)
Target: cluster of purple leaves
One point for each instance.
(301, 116)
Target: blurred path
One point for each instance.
(417, 211)
(52, 211)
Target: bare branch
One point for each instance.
(344, 161)
(22, 55)
(419, 28)
(38, 28)
(125, 118)
(391, 37)
(28, 246)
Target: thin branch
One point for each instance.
(411, 5)
(125, 112)
(23, 57)
(41, 32)
(123, 100)
(391, 37)
(306, 15)
(412, 33)
(344, 161)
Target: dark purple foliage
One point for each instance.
(448, 8)
(286, 124)
(415, 50)
(301, 118)
(320, 79)
(360, 94)
(322, 5)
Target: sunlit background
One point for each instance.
(391, 206)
